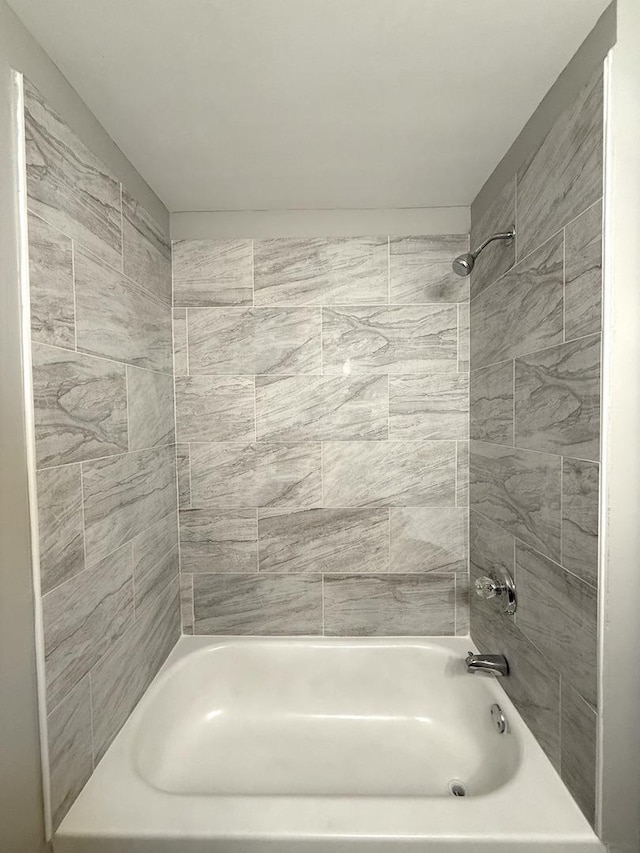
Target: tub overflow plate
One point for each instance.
(498, 719)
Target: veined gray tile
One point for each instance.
(321, 408)
(520, 491)
(70, 751)
(406, 339)
(462, 473)
(579, 724)
(151, 412)
(118, 319)
(491, 403)
(564, 176)
(389, 605)
(83, 618)
(60, 529)
(218, 540)
(287, 605)
(420, 269)
(121, 677)
(215, 408)
(262, 474)
(580, 491)
(155, 561)
(490, 548)
(183, 463)
(254, 340)
(186, 603)
(464, 336)
(557, 399)
(80, 406)
(429, 539)
(213, 272)
(428, 407)
(583, 274)
(66, 184)
(323, 540)
(523, 311)
(146, 249)
(53, 319)
(180, 352)
(125, 495)
(321, 271)
(462, 604)
(389, 473)
(500, 215)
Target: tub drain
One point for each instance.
(457, 788)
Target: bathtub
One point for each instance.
(323, 746)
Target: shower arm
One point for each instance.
(501, 235)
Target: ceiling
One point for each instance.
(309, 104)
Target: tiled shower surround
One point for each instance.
(535, 423)
(322, 435)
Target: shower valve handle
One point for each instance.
(488, 587)
(501, 587)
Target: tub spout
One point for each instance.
(495, 664)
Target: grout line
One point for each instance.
(388, 270)
(93, 743)
(564, 284)
(561, 505)
(509, 447)
(126, 394)
(73, 287)
(84, 526)
(513, 404)
(515, 217)
(253, 273)
(103, 358)
(119, 456)
(455, 605)
(121, 233)
(133, 580)
(322, 593)
(193, 606)
(530, 353)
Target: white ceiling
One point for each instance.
(290, 104)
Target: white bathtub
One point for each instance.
(323, 746)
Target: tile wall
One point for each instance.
(535, 429)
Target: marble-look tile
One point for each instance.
(564, 176)
(321, 271)
(121, 677)
(462, 604)
(151, 413)
(405, 339)
(580, 491)
(53, 319)
(464, 336)
(429, 539)
(520, 491)
(66, 184)
(61, 534)
(118, 319)
(389, 605)
(186, 603)
(218, 540)
(583, 274)
(183, 463)
(180, 351)
(557, 399)
(321, 408)
(429, 407)
(490, 548)
(389, 473)
(559, 614)
(155, 561)
(215, 408)
(523, 311)
(212, 272)
(82, 619)
(499, 256)
(125, 495)
(462, 473)
(146, 249)
(579, 740)
(262, 474)
(70, 749)
(491, 403)
(80, 406)
(254, 340)
(287, 605)
(420, 269)
(323, 540)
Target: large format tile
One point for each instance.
(80, 406)
(557, 399)
(491, 403)
(389, 473)
(321, 271)
(559, 614)
(60, 530)
(254, 340)
(520, 491)
(389, 605)
(583, 274)
(53, 319)
(420, 269)
(580, 492)
(258, 604)
(321, 408)
(564, 176)
(497, 257)
(462, 473)
(579, 724)
(428, 407)
(218, 540)
(323, 540)
(151, 412)
(404, 339)
(523, 311)
(125, 495)
(429, 539)
(212, 272)
(155, 561)
(262, 474)
(67, 185)
(215, 408)
(146, 249)
(118, 319)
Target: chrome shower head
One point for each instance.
(463, 264)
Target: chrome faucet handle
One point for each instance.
(501, 587)
(487, 587)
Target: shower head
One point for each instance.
(463, 264)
